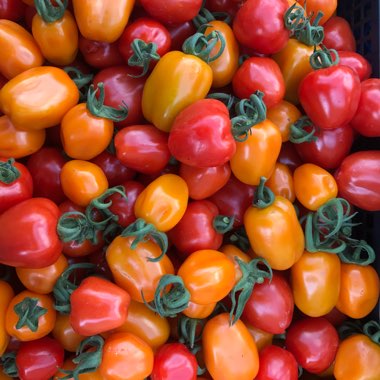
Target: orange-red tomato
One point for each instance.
(281, 182)
(233, 252)
(65, 334)
(195, 310)
(7, 295)
(262, 338)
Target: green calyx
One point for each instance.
(303, 130)
(249, 112)
(240, 239)
(63, 288)
(169, 303)
(228, 100)
(88, 357)
(81, 80)
(223, 223)
(324, 58)
(372, 330)
(97, 108)
(29, 313)
(251, 275)
(8, 361)
(190, 330)
(263, 196)
(205, 16)
(143, 54)
(8, 172)
(49, 12)
(142, 231)
(353, 327)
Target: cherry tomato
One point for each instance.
(64, 333)
(357, 62)
(7, 294)
(328, 8)
(233, 252)
(12, 9)
(195, 310)
(70, 365)
(289, 156)
(338, 34)
(179, 33)
(262, 338)
(281, 182)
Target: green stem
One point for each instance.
(205, 16)
(263, 196)
(372, 330)
(8, 171)
(190, 330)
(324, 58)
(29, 313)
(143, 54)
(358, 252)
(80, 79)
(303, 130)
(240, 239)
(49, 12)
(8, 361)
(228, 100)
(222, 223)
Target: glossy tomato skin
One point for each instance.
(179, 33)
(330, 97)
(357, 62)
(34, 218)
(18, 190)
(201, 134)
(270, 306)
(328, 7)
(259, 73)
(281, 182)
(39, 359)
(7, 294)
(45, 167)
(174, 361)
(358, 179)
(313, 342)
(338, 34)
(12, 9)
(338, 140)
(268, 37)
(143, 148)
(277, 363)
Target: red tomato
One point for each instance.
(269, 34)
(16, 184)
(358, 179)
(45, 167)
(28, 236)
(313, 342)
(120, 87)
(289, 156)
(180, 32)
(259, 73)
(174, 361)
(12, 9)
(357, 62)
(143, 148)
(277, 363)
(227, 6)
(338, 34)
(270, 306)
(201, 134)
(367, 118)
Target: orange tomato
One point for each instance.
(195, 310)
(315, 279)
(38, 98)
(3, 376)
(359, 290)
(231, 251)
(208, 275)
(82, 181)
(256, 157)
(69, 365)
(328, 7)
(83, 135)
(126, 357)
(229, 352)
(18, 144)
(314, 186)
(284, 114)
(7, 295)
(281, 182)
(37, 325)
(19, 51)
(42, 280)
(262, 338)
(103, 21)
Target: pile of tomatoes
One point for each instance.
(180, 188)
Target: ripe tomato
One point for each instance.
(12, 9)
(281, 182)
(289, 156)
(7, 294)
(180, 32)
(64, 333)
(328, 8)
(357, 62)
(70, 365)
(195, 310)
(262, 338)
(338, 34)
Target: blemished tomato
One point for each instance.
(126, 357)
(64, 333)
(358, 179)
(269, 35)
(313, 342)
(357, 62)
(229, 351)
(174, 361)
(315, 280)
(359, 290)
(40, 311)
(39, 359)
(281, 182)
(12, 9)
(338, 34)
(270, 306)
(7, 295)
(328, 8)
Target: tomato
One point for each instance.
(64, 333)
(20, 51)
(82, 181)
(315, 280)
(39, 359)
(358, 179)
(367, 119)
(126, 357)
(262, 338)
(174, 361)
(259, 73)
(359, 290)
(338, 34)
(7, 295)
(195, 310)
(103, 23)
(133, 271)
(269, 35)
(12, 9)
(357, 62)
(330, 96)
(3, 376)
(229, 351)
(313, 342)
(289, 156)
(278, 364)
(119, 87)
(42, 280)
(40, 312)
(328, 7)
(143, 148)
(281, 182)
(338, 140)
(70, 365)
(43, 94)
(270, 306)
(358, 358)
(174, 11)
(28, 236)
(201, 134)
